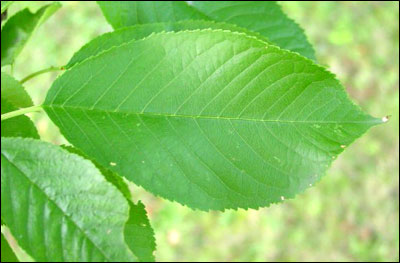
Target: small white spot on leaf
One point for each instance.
(282, 198)
(385, 119)
(113, 164)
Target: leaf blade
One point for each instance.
(127, 13)
(127, 34)
(265, 17)
(139, 234)
(19, 28)
(85, 219)
(14, 97)
(14, 92)
(211, 119)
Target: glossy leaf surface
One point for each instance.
(265, 17)
(210, 118)
(127, 34)
(72, 212)
(127, 13)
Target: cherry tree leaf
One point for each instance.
(127, 13)
(127, 34)
(139, 235)
(265, 17)
(19, 28)
(209, 118)
(72, 212)
(14, 97)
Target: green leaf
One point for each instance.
(210, 118)
(14, 92)
(127, 13)
(7, 254)
(20, 126)
(19, 28)
(5, 5)
(72, 212)
(139, 235)
(265, 17)
(14, 97)
(127, 34)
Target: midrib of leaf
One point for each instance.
(142, 112)
(374, 121)
(55, 203)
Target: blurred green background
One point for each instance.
(351, 215)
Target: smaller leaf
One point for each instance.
(14, 92)
(20, 126)
(265, 17)
(73, 213)
(127, 13)
(13, 97)
(19, 28)
(139, 235)
(127, 34)
(7, 254)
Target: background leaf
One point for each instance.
(127, 13)
(19, 28)
(139, 235)
(73, 213)
(211, 119)
(14, 92)
(265, 17)
(127, 34)
(13, 97)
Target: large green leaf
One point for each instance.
(127, 34)
(139, 235)
(210, 118)
(58, 205)
(127, 13)
(7, 254)
(13, 97)
(19, 28)
(265, 17)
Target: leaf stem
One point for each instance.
(41, 72)
(19, 112)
